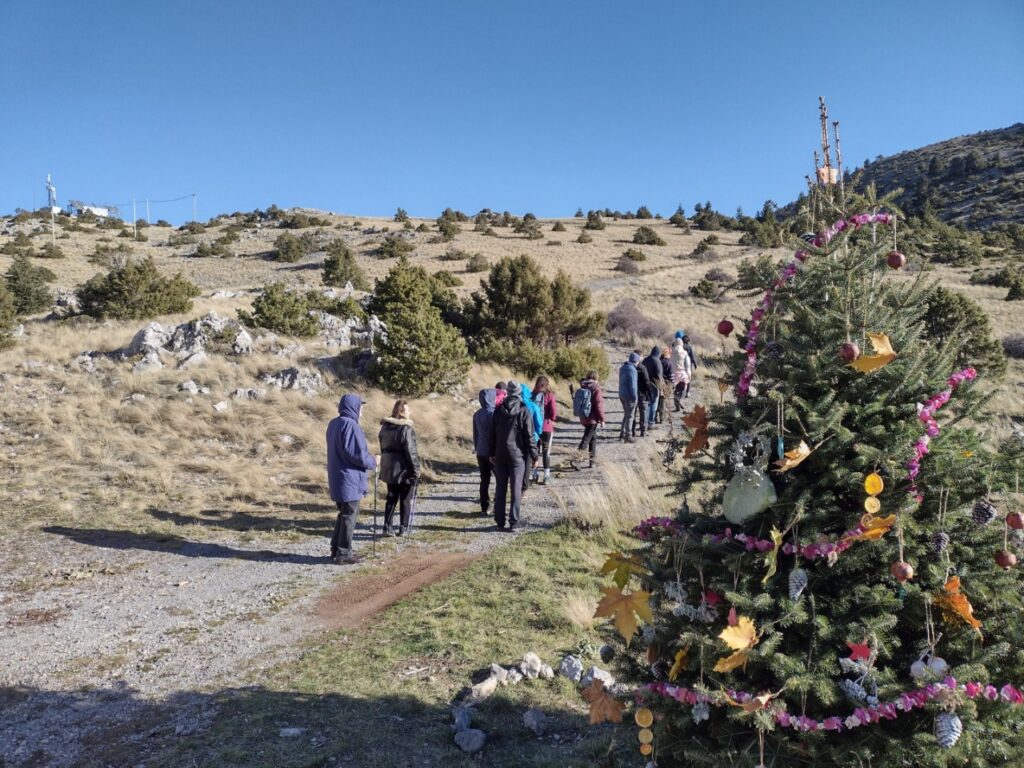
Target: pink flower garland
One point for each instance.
(926, 414)
(905, 702)
(788, 273)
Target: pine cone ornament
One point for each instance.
(984, 512)
(853, 690)
(659, 670)
(773, 350)
(797, 583)
(940, 540)
(948, 729)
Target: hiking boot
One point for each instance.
(629, 440)
(388, 533)
(401, 532)
(349, 559)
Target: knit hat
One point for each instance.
(634, 358)
(680, 334)
(512, 388)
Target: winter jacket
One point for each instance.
(399, 459)
(548, 408)
(348, 459)
(682, 366)
(482, 421)
(596, 403)
(666, 370)
(693, 357)
(512, 439)
(652, 364)
(627, 382)
(643, 383)
(535, 412)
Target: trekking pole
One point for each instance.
(412, 507)
(373, 530)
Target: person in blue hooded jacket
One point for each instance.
(628, 395)
(482, 421)
(348, 461)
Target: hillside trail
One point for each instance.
(121, 621)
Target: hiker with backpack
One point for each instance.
(628, 396)
(482, 422)
(512, 445)
(545, 400)
(348, 461)
(588, 407)
(643, 391)
(652, 364)
(399, 467)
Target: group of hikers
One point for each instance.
(512, 435)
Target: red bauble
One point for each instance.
(896, 260)
(849, 352)
(725, 327)
(902, 572)
(1005, 559)
(1015, 520)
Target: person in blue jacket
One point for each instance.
(628, 395)
(348, 461)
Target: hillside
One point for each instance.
(975, 180)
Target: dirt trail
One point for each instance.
(98, 626)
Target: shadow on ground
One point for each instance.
(257, 727)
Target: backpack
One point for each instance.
(582, 401)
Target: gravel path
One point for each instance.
(99, 628)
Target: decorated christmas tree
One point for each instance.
(840, 587)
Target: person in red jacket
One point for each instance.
(545, 400)
(592, 418)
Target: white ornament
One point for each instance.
(918, 670)
(700, 712)
(938, 665)
(748, 494)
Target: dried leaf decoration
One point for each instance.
(955, 605)
(604, 708)
(884, 354)
(622, 567)
(754, 704)
(771, 559)
(679, 663)
(740, 638)
(697, 420)
(624, 609)
(793, 458)
(873, 528)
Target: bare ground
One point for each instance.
(112, 635)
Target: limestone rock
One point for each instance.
(471, 740)
(596, 673)
(546, 672)
(221, 406)
(243, 343)
(248, 394)
(150, 362)
(482, 690)
(571, 667)
(462, 718)
(307, 382)
(500, 673)
(536, 721)
(192, 388)
(514, 676)
(531, 665)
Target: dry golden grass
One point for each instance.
(75, 449)
(632, 494)
(578, 606)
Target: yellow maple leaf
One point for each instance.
(729, 663)
(955, 605)
(625, 608)
(680, 662)
(771, 559)
(741, 636)
(604, 708)
(793, 458)
(884, 354)
(874, 528)
(622, 567)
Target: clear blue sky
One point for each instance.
(360, 107)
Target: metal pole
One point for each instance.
(193, 206)
(135, 229)
(374, 529)
(147, 212)
(53, 228)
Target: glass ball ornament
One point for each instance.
(749, 493)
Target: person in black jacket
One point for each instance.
(666, 381)
(399, 466)
(512, 445)
(652, 364)
(643, 390)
